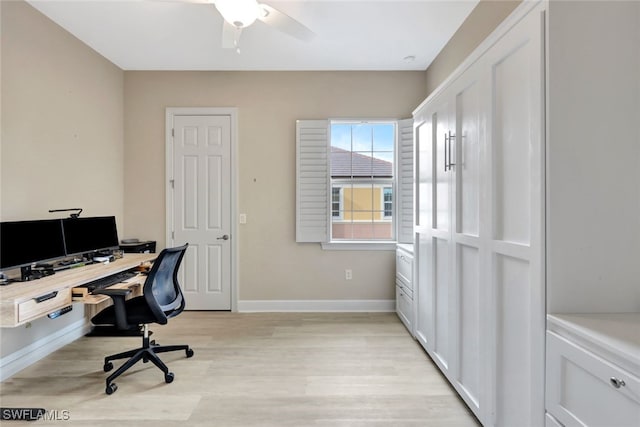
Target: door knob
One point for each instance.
(225, 237)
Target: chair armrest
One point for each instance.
(112, 292)
(118, 296)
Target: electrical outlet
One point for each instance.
(348, 274)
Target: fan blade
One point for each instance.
(186, 1)
(285, 23)
(230, 36)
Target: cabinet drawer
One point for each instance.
(404, 267)
(404, 308)
(404, 289)
(584, 389)
(43, 305)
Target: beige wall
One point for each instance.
(62, 133)
(272, 265)
(484, 18)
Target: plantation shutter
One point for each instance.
(405, 181)
(312, 169)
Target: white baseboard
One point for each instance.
(17, 361)
(251, 306)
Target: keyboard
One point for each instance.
(105, 282)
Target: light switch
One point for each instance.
(243, 218)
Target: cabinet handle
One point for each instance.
(447, 150)
(451, 137)
(617, 383)
(446, 141)
(45, 297)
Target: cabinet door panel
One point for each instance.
(425, 173)
(514, 345)
(512, 144)
(467, 149)
(424, 316)
(442, 178)
(468, 314)
(442, 276)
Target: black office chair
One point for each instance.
(161, 300)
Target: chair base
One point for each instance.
(146, 353)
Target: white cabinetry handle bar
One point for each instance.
(448, 137)
(446, 141)
(617, 383)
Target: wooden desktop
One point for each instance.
(23, 302)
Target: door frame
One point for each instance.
(232, 112)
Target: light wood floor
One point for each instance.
(285, 369)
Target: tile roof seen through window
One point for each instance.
(347, 164)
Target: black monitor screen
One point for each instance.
(25, 242)
(83, 235)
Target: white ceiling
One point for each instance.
(350, 34)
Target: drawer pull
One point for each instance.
(45, 297)
(617, 383)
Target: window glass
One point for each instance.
(362, 180)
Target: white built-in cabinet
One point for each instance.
(593, 361)
(479, 229)
(404, 285)
(516, 193)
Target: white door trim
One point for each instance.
(232, 112)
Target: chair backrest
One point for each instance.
(161, 289)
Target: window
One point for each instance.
(336, 202)
(354, 183)
(362, 177)
(388, 202)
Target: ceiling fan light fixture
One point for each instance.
(239, 13)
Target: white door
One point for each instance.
(465, 329)
(433, 229)
(440, 233)
(423, 294)
(202, 208)
(515, 261)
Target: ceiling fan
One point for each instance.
(239, 14)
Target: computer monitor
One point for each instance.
(91, 234)
(23, 243)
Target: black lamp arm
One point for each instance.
(73, 215)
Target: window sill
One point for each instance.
(359, 246)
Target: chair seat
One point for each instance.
(137, 309)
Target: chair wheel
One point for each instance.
(111, 388)
(189, 352)
(168, 377)
(107, 366)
